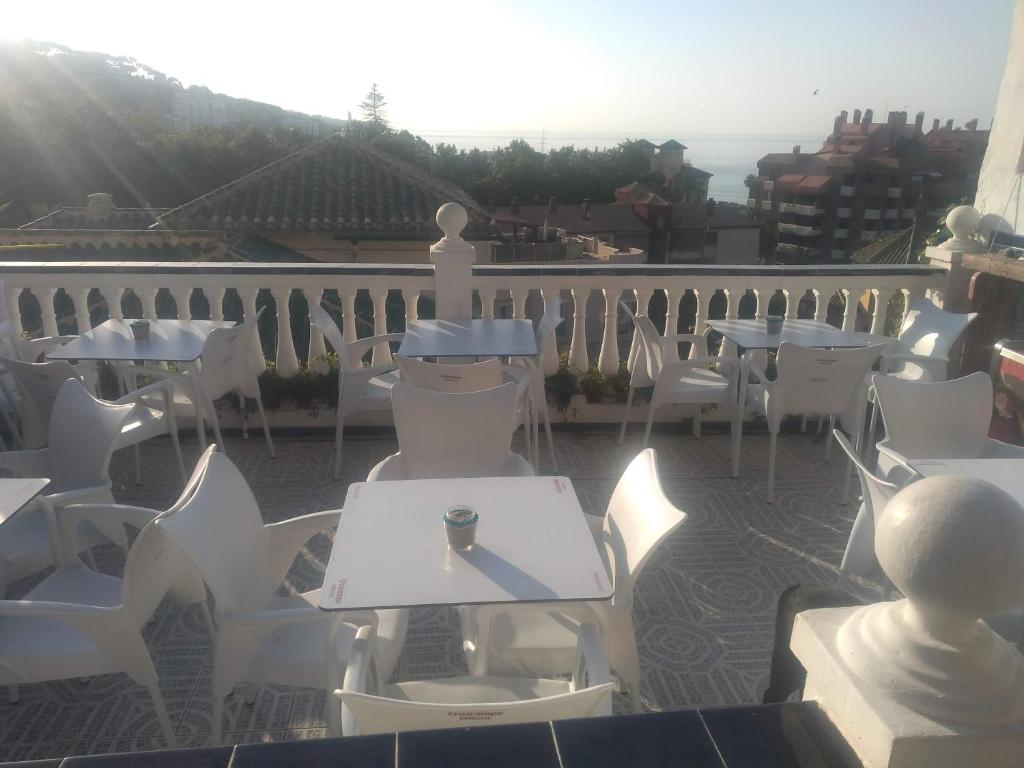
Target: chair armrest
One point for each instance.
(699, 341)
(997, 449)
(164, 388)
(77, 496)
(360, 347)
(31, 349)
(284, 539)
(27, 463)
(357, 676)
(592, 666)
(73, 515)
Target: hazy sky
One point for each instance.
(655, 67)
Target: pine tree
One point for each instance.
(373, 109)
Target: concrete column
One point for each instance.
(453, 260)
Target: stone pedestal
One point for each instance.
(453, 260)
(883, 732)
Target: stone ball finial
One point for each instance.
(963, 221)
(452, 219)
(954, 546)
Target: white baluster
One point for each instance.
(822, 296)
(81, 305)
(913, 295)
(700, 322)
(851, 297)
(519, 297)
(182, 302)
(316, 360)
(670, 352)
(248, 297)
(46, 297)
(487, 296)
(549, 358)
(733, 296)
(411, 298)
(608, 360)
(348, 316)
(882, 298)
(793, 298)
(578, 347)
(287, 361)
(14, 309)
(762, 298)
(114, 308)
(215, 296)
(148, 298)
(381, 352)
(637, 359)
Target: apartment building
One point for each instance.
(868, 181)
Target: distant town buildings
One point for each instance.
(684, 182)
(196, 107)
(868, 181)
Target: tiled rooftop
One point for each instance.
(705, 605)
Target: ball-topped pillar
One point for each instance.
(453, 260)
(963, 221)
(923, 680)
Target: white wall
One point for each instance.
(1004, 161)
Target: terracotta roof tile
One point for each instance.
(75, 217)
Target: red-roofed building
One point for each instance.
(868, 181)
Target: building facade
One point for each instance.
(868, 181)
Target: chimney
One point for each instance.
(99, 205)
(796, 149)
(868, 114)
(919, 121)
(935, 124)
(837, 126)
(844, 116)
(514, 206)
(856, 117)
(949, 124)
(552, 204)
(586, 209)
(972, 124)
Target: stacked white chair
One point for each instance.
(472, 701)
(937, 420)
(442, 434)
(689, 382)
(83, 433)
(39, 383)
(360, 388)
(808, 382)
(527, 639)
(260, 635)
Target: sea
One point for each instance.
(729, 157)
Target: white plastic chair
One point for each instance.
(531, 369)
(937, 420)
(451, 377)
(690, 382)
(360, 388)
(526, 639)
(39, 383)
(472, 701)
(453, 435)
(859, 558)
(80, 623)
(231, 363)
(82, 436)
(262, 636)
(808, 382)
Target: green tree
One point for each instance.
(373, 109)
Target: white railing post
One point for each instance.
(215, 297)
(608, 360)
(578, 359)
(381, 352)
(487, 296)
(411, 298)
(81, 304)
(453, 260)
(316, 360)
(348, 313)
(549, 357)
(852, 298)
(147, 296)
(287, 361)
(637, 363)
(114, 308)
(14, 309)
(181, 302)
(882, 298)
(49, 316)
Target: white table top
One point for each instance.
(178, 341)
(16, 492)
(468, 338)
(533, 545)
(753, 334)
(1007, 474)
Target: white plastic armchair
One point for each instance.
(453, 435)
(231, 363)
(526, 639)
(83, 433)
(937, 420)
(472, 701)
(80, 623)
(152, 416)
(360, 388)
(691, 381)
(454, 378)
(262, 636)
(808, 382)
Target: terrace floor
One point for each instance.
(704, 612)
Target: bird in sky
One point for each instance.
(815, 91)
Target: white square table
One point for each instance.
(753, 334)
(533, 545)
(176, 341)
(468, 338)
(1007, 474)
(16, 493)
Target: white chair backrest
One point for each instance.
(221, 531)
(639, 518)
(232, 359)
(928, 330)
(650, 340)
(82, 434)
(375, 714)
(819, 381)
(326, 325)
(876, 490)
(936, 420)
(39, 384)
(449, 377)
(454, 435)
(149, 573)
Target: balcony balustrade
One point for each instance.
(895, 192)
(803, 210)
(844, 213)
(871, 214)
(842, 233)
(846, 190)
(799, 229)
(751, 202)
(766, 205)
